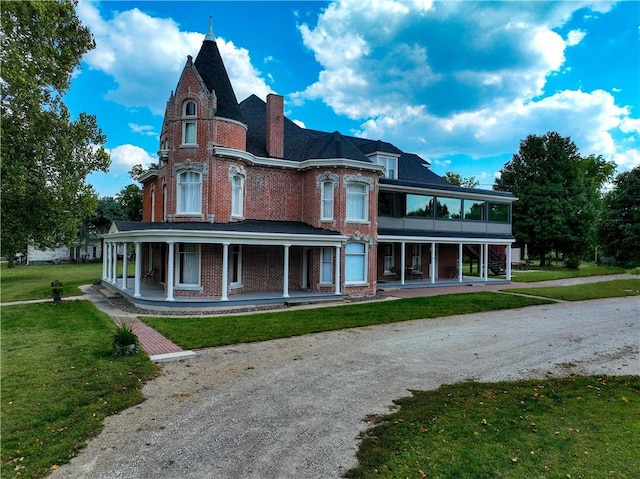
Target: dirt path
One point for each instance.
(293, 408)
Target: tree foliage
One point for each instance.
(619, 227)
(46, 155)
(457, 180)
(558, 194)
(130, 199)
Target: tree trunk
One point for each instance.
(10, 261)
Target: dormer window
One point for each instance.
(189, 117)
(391, 165)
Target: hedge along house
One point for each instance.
(247, 207)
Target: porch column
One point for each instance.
(508, 265)
(225, 272)
(107, 252)
(460, 262)
(104, 260)
(138, 271)
(336, 279)
(285, 282)
(481, 263)
(486, 262)
(114, 262)
(170, 273)
(125, 266)
(432, 268)
(403, 255)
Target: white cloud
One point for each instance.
(146, 130)
(124, 157)
(158, 59)
(574, 37)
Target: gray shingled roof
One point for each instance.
(247, 226)
(211, 68)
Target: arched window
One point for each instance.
(237, 196)
(189, 199)
(153, 203)
(189, 124)
(326, 200)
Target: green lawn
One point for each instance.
(576, 427)
(201, 332)
(59, 382)
(552, 272)
(34, 282)
(581, 292)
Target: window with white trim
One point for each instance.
(326, 200)
(326, 265)
(357, 202)
(237, 196)
(188, 267)
(189, 192)
(164, 202)
(389, 259)
(189, 123)
(236, 265)
(153, 203)
(355, 265)
(391, 166)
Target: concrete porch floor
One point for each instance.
(153, 298)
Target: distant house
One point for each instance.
(78, 253)
(247, 206)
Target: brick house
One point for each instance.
(245, 206)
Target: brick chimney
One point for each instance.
(275, 126)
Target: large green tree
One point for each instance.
(45, 154)
(619, 226)
(558, 194)
(130, 198)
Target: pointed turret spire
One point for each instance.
(209, 36)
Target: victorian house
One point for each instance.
(246, 207)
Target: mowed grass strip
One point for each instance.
(581, 292)
(554, 428)
(553, 272)
(59, 382)
(34, 282)
(201, 332)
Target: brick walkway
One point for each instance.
(151, 340)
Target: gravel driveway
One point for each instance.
(293, 408)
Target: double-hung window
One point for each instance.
(236, 266)
(326, 266)
(237, 196)
(189, 192)
(357, 202)
(189, 123)
(355, 263)
(188, 270)
(389, 259)
(327, 188)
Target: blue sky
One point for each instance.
(459, 83)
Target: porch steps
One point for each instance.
(109, 293)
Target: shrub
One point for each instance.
(572, 262)
(125, 341)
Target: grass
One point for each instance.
(582, 292)
(59, 382)
(34, 282)
(201, 332)
(555, 428)
(552, 272)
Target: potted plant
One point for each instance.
(125, 341)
